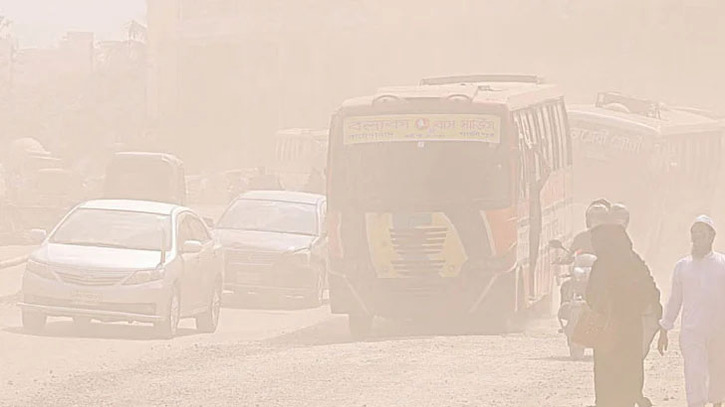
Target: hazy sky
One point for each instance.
(41, 23)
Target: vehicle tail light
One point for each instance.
(334, 221)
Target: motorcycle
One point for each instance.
(573, 291)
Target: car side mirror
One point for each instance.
(209, 222)
(191, 247)
(556, 244)
(37, 236)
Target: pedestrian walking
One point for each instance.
(620, 287)
(698, 290)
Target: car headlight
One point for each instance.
(144, 276)
(39, 269)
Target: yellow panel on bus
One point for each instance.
(422, 127)
(429, 246)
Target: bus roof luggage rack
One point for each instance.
(702, 112)
(452, 80)
(634, 105)
(386, 98)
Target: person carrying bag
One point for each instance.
(619, 291)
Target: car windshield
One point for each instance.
(271, 216)
(114, 228)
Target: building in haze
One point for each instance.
(225, 75)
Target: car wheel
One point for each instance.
(209, 320)
(81, 323)
(33, 321)
(168, 327)
(576, 351)
(360, 325)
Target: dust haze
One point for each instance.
(352, 202)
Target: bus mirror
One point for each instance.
(556, 244)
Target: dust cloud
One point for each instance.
(357, 202)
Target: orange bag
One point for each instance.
(594, 329)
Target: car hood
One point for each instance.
(97, 257)
(272, 241)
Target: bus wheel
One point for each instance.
(360, 325)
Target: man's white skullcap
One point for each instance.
(706, 220)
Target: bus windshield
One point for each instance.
(423, 174)
(426, 160)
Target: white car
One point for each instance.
(125, 260)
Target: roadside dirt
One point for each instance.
(319, 365)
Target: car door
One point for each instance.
(191, 268)
(209, 259)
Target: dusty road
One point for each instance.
(289, 357)
(295, 357)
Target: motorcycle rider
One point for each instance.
(619, 214)
(597, 214)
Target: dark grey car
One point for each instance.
(275, 244)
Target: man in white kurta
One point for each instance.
(698, 290)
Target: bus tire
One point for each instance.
(360, 325)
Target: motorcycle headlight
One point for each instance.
(144, 276)
(39, 269)
(580, 273)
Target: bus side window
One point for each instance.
(537, 144)
(699, 158)
(681, 157)
(559, 135)
(547, 139)
(563, 129)
(522, 155)
(686, 165)
(715, 158)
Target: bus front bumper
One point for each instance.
(411, 298)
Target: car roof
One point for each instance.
(284, 196)
(130, 205)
